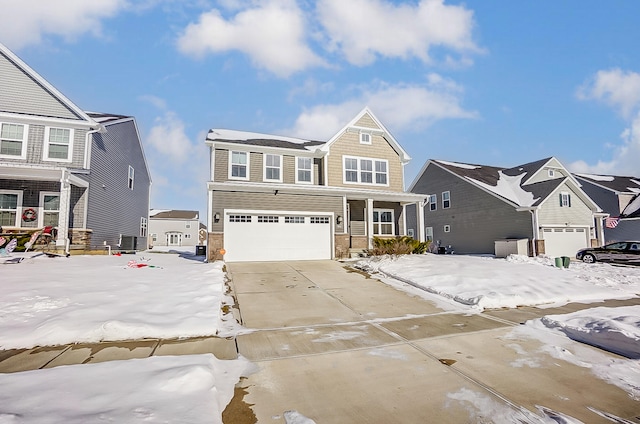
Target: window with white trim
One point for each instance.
(446, 199)
(143, 226)
(551, 173)
(272, 167)
(187, 236)
(565, 199)
(365, 138)
(303, 170)
(10, 202)
(13, 140)
(58, 144)
(433, 202)
(130, 177)
(187, 225)
(410, 232)
(239, 165)
(428, 233)
(361, 170)
(154, 237)
(383, 222)
(447, 228)
(50, 206)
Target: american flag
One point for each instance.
(611, 222)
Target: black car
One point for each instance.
(625, 252)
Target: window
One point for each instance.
(239, 218)
(294, 219)
(50, 204)
(383, 222)
(268, 218)
(13, 140)
(130, 178)
(551, 172)
(365, 138)
(58, 144)
(239, 166)
(187, 225)
(272, 167)
(366, 171)
(319, 219)
(9, 202)
(303, 170)
(362, 170)
(433, 202)
(410, 232)
(143, 226)
(187, 236)
(447, 228)
(154, 237)
(446, 200)
(428, 233)
(565, 199)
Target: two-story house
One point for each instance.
(469, 207)
(174, 228)
(82, 173)
(283, 198)
(619, 197)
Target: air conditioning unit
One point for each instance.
(128, 242)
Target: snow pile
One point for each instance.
(510, 188)
(161, 389)
(614, 329)
(486, 282)
(51, 301)
(459, 165)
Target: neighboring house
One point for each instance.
(83, 173)
(174, 228)
(284, 198)
(620, 198)
(470, 207)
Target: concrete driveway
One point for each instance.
(338, 347)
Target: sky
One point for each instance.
(492, 82)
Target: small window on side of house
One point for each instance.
(551, 172)
(410, 232)
(143, 226)
(433, 202)
(130, 177)
(565, 200)
(446, 199)
(428, 233)
(365, 138)
(447, 228)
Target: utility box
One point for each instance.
(128, 243)
(201, 250)
(506, 247)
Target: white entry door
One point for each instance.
(278, 236)
(564, 241)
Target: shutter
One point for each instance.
(569, 199)
(560, 199)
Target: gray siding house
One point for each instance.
(469, 207)
(82, 173)
(620, 198)
(283, 198)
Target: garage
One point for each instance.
(277, 236)
(564, 241)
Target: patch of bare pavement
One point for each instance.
(337, 346)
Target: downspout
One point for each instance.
(534, 234)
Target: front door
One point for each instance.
(174, 239)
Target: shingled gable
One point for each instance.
(173, 214)
(615, 183)
(262, 140)
(487, 178)
(37, 84)
(352, 125)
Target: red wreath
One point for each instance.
(29, 215)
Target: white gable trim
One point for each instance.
(556, 165)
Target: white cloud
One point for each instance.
(365, 29)
(401, 107)
(27, 22)
(272, 34)
(168, 138)
(616, 88)
(625, 157)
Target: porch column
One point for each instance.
(600, 230)
(370, 222)
(420, 220)
(64, 212)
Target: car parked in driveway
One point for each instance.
(626, 252)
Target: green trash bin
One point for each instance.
(559, 262)
(566, 261)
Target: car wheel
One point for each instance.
(588, 258)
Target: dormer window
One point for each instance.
(365, 138)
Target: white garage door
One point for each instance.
(268, 236)
(564, 241)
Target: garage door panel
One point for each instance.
(564, 241)
(274, 241)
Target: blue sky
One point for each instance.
(493, 82)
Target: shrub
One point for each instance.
(402, 245)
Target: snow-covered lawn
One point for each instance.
(50, 301)
(487, 282)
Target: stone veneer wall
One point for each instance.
(215, 242)
(341, 246)
(80, 238)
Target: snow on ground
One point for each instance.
(160, 389)
(52, 301)
(487, 282)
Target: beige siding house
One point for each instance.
(283, 198)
